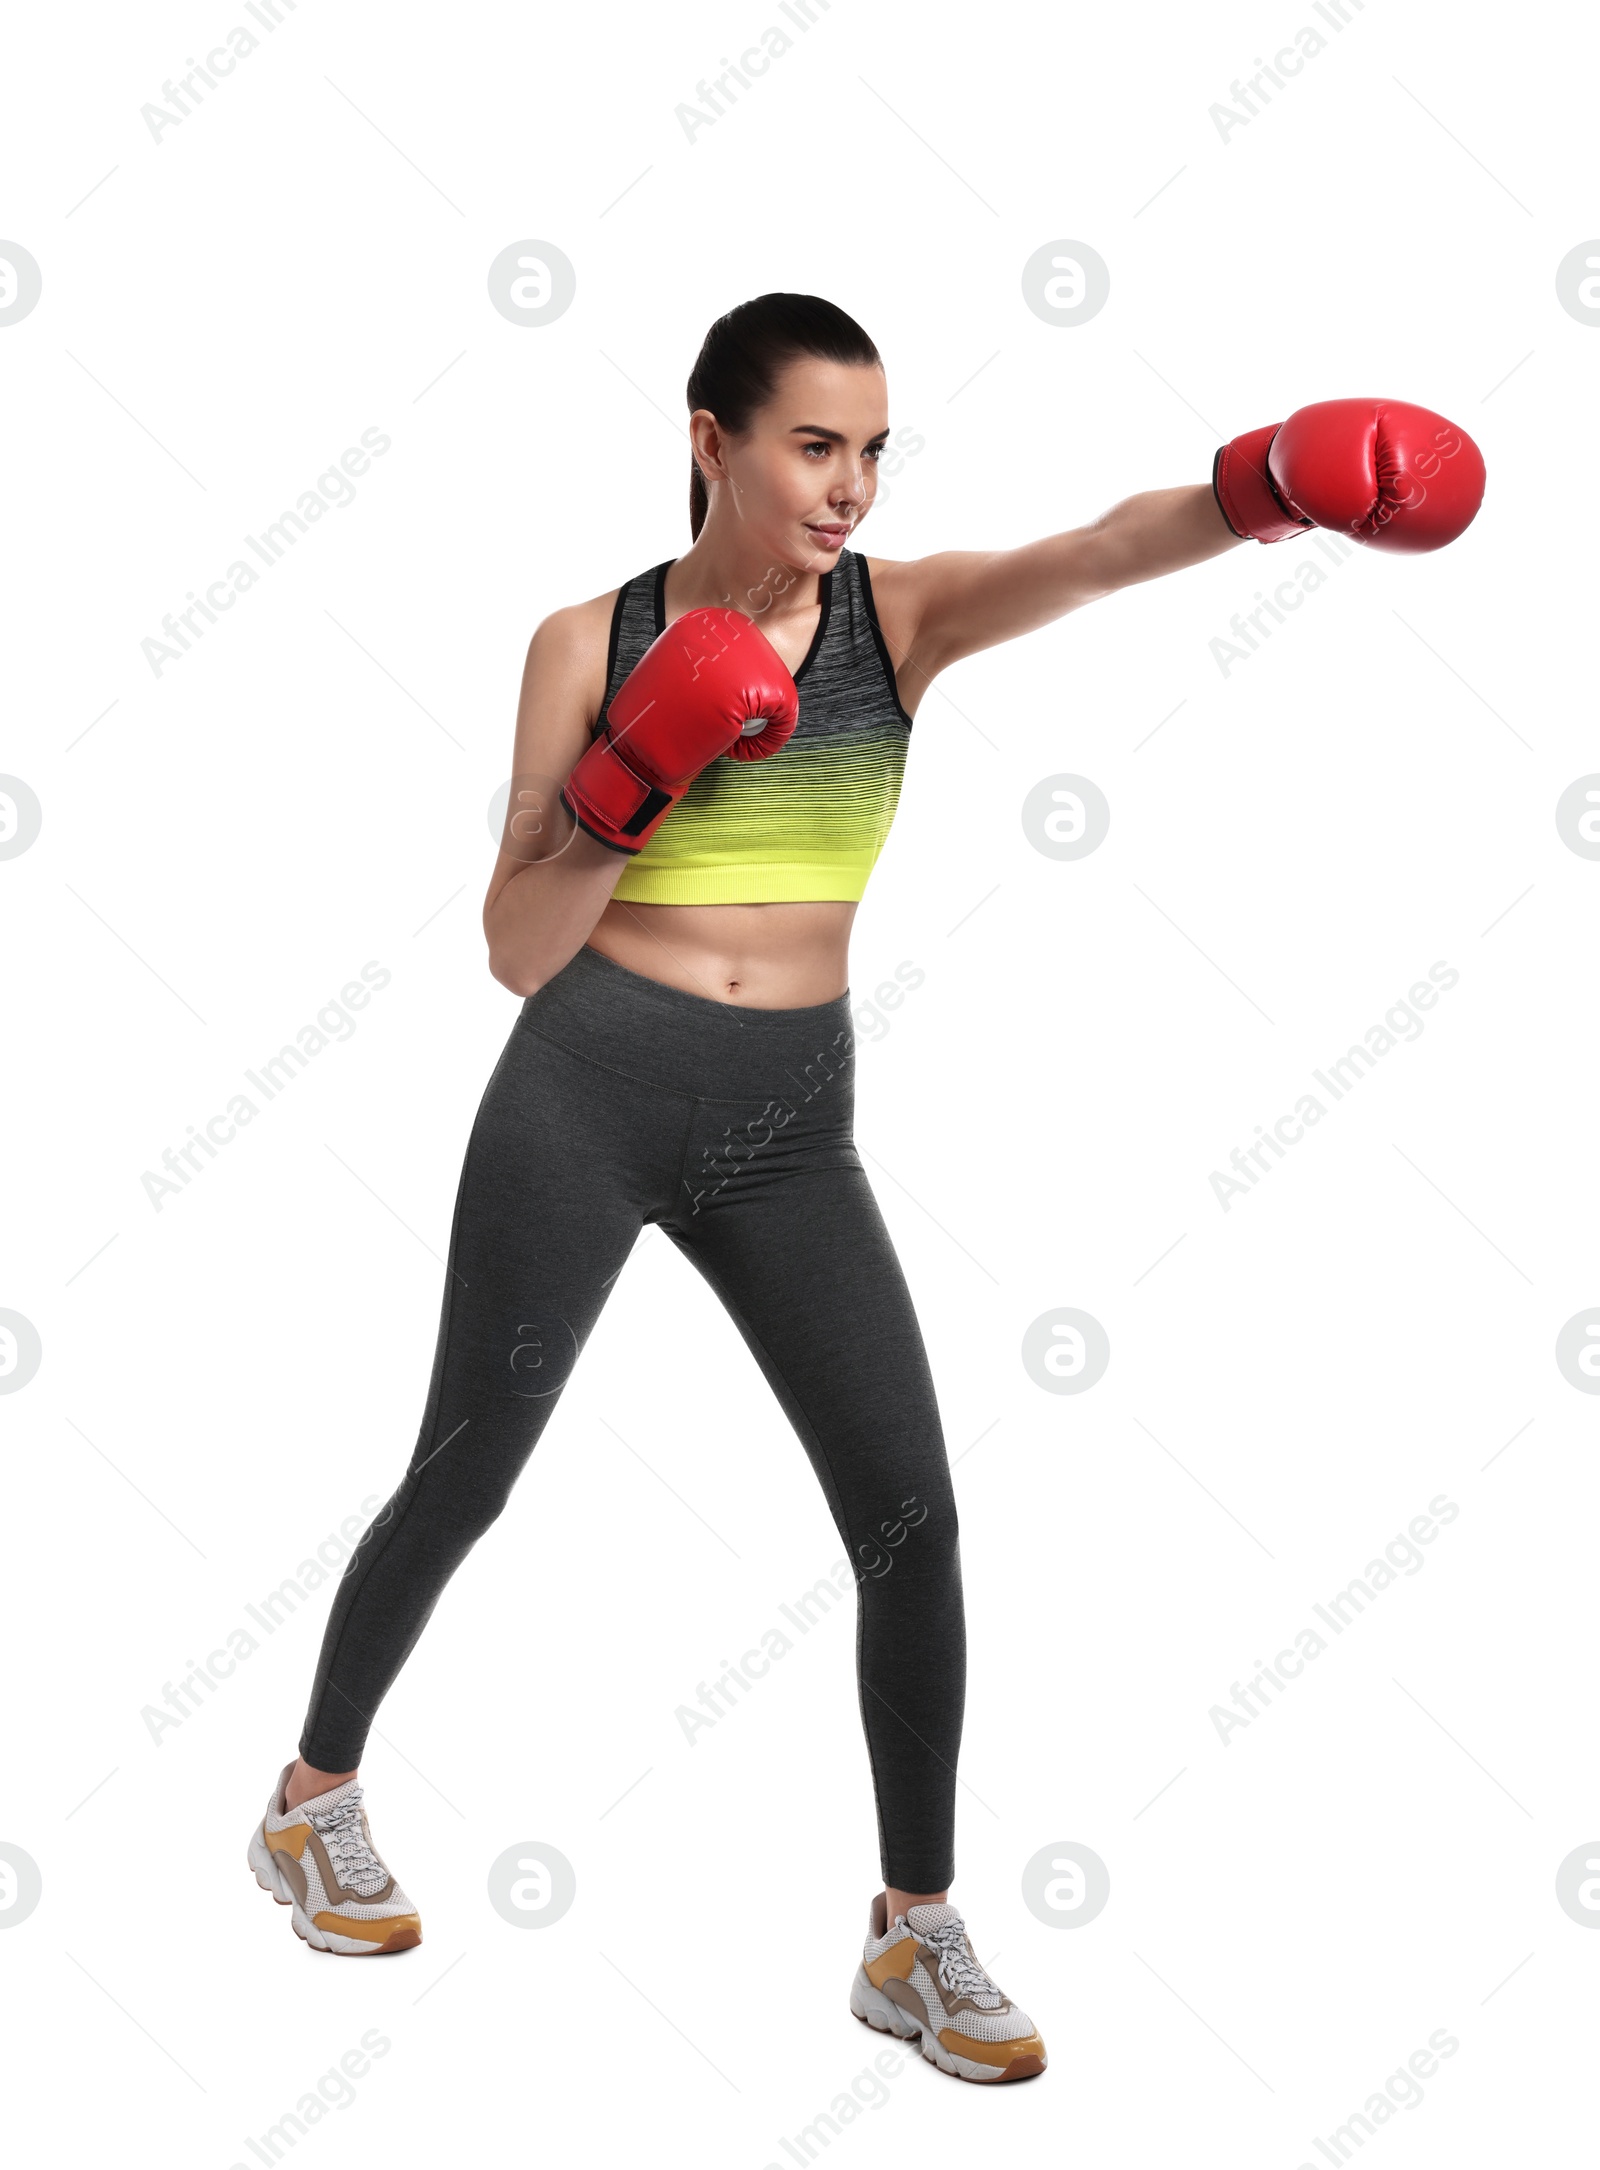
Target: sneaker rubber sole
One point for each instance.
(876, 2010)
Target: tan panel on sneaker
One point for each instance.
(994, 2053)
(396, 1932)
(894, 1963)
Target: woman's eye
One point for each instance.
(873, 452)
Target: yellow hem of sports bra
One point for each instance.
(777, 883)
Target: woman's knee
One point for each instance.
(923, 1526)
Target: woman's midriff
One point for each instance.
(765, 956)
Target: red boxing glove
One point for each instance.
(711, 684)
(1387, 474)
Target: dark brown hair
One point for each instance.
(737, 369)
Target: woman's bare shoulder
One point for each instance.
(576, 623)
(571, 646)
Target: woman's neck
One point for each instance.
(723, 570)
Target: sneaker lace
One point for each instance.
(344, 1835)
(958, 1970)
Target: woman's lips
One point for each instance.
(830, 536)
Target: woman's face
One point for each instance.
(802, 478)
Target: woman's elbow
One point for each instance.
(508, 959)
(513, 973)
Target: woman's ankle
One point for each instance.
(305, 1782)
(900, 1902)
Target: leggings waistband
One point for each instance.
(645, 1029)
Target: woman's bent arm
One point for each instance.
(551, 880)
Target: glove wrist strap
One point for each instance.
(1246, 494)
(608, 797)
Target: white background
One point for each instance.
(223, 846)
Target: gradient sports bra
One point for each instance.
(808, 822)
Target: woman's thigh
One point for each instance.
(804, 1265)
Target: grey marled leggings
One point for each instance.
(618, 1101)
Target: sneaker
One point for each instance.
(318, 1859)
(920, 1976)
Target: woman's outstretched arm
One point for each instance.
(962, 600)
(1391, 475)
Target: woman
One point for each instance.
(677, 923)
